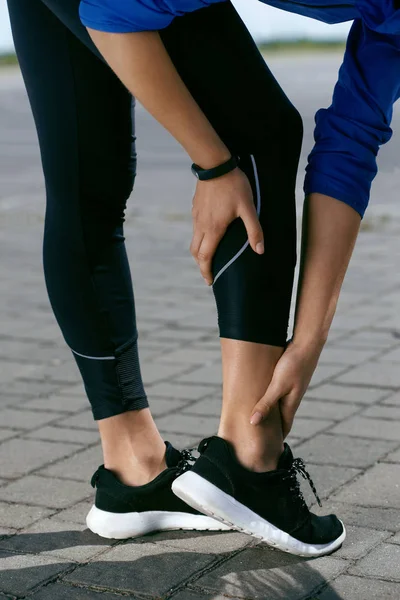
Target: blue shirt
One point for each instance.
(349, 133)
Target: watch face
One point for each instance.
(195, 173)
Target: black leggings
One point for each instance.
(84, 119)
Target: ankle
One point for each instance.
(255, 455)
(136, 469)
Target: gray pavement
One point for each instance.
(348, 426)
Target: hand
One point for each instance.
(216, 204)
(289, 383)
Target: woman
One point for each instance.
(226, 109)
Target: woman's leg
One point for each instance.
(84, 120)
(227, 76)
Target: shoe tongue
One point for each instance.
(172, 455)
(286, 458)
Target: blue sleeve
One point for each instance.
(349, 133)
(124, 16)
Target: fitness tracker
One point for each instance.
(207, 174)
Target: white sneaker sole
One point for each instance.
(210, 500)
(121, 526)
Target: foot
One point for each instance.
(121, 511)
(269, 506)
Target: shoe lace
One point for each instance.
(186, 461)
(298, 466)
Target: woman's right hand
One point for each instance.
(216, 204)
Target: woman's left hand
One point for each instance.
(289, 383)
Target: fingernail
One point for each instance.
(260, 248)
(206, 280)
(256, 418)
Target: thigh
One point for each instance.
(82, 112)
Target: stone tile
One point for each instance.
(81, 466)
(359, 541)
(260, 573)
(347, 587)
(379, 486)
(83, 420)
(392, 356)
(141, 567)
(382, 412)
(192, 356)
(376, 374)
(344, 393)
(392, 400)
(20, 574)
(71, 390)
(211, 374)
(343, 450)
(324, 373)
(395, 539)
(6, 434)
(18, 457)
(381, 562)
(69, 541)
(59, 591)
(202, 541)
(18, 515)
(378, 518)
(76, 513)
(324, 409)
(207, 406)
(374, 429)
(155, 371)
(184, 392)
(369, 339)
(326, 479)
(196, 425)
(9, 371)
(345, 356)
(59, 403)
(28, 388)
(304, 428)
(25, 419)
(165, 406)
(189, 594)
(43, 491)
(393, 457)
(82, 437)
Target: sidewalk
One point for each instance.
(348, 426)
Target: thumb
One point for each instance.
(263, 406)
(254, 230)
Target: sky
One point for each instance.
(263, 21)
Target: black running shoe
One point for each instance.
(269, 506)
(122, 511)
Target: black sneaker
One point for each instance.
(122, 511)
(269, 506)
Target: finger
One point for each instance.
(195, 244)
(254, 230)
(263, 406)
(205, 255)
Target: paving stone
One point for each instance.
(326, 479)
(9, 371)
(58, 403)
(325, 409)
(378, 518)
(141, 567)
(381, 562)
(345, 356)
(369, 339)
(28, 388)
(373, 373)
(393, 457)
(71, 390)
(18, 457)
(25, 419)
(207, 406)
(81, 466)
(210, 375)
(190, 356)
(183, 440)
(379, 486)
(196, 425)
(184, 392)
(83, 420)
(346, 587)
(58, 591)
(155, 371)
(325, 372)
(162, 406)
(392, 400)
(43, 491)
(6, 434)
(76, 513)
(205, 541)
(304, 428)
(374, 429)
(382, 412)
(264, 573)
(82, 437)
(395, 539)
(392, 356)
(20, 574)
(360, 540)
(188, 594)
(187, 335)
(69, 541)
(343, 450)
(18, 515)
(343, 393)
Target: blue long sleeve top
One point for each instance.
(349, 133)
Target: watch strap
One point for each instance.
(207, 174)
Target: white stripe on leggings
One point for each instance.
(243, 248)
(95, 357)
